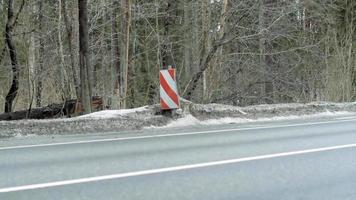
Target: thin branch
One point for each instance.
(14, 23)
(2, 55)
(274, 53)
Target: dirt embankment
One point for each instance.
(149, 117)
(215, 111)
(79, 125)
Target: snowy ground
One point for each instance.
(193, 114)
(190, 120)
(112, 114)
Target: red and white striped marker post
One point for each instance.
(168, 90)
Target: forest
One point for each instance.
(237, 52)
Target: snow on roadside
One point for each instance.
(108, 114)
(193, 114)
(190, 120)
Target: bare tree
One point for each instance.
(10, 25)
(39, 68)
(125, 62)
(70, 38)
(115, 71)
(84, 60)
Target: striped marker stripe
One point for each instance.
(164, 105)
(170, 81)
(169, 92)
(166, 99)
(168, 89)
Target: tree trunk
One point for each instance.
(39, 68)
(188, 40)
(115, 71)
(205, 45)
(65, 87)
(133, 57)
(167, 45)
(70, 32)
(31, 67)
(196, 43)
(262, 51)
(205, 59)
(126, 47)
(11, 95)
(84, 60)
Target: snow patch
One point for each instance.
(108, 114)
(190, 120)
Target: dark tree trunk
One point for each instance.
(69, 108)
(204, 61)
(167, 45)
(116, 54)
(48, 112)
(84, 61)
(125, 61)
(39, 69)
(11, 95)
(203, 65)
(69, 30)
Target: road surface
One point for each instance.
(292, 159)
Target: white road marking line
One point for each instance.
(172, 135)
(171, 169)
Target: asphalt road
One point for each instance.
(294, 159)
